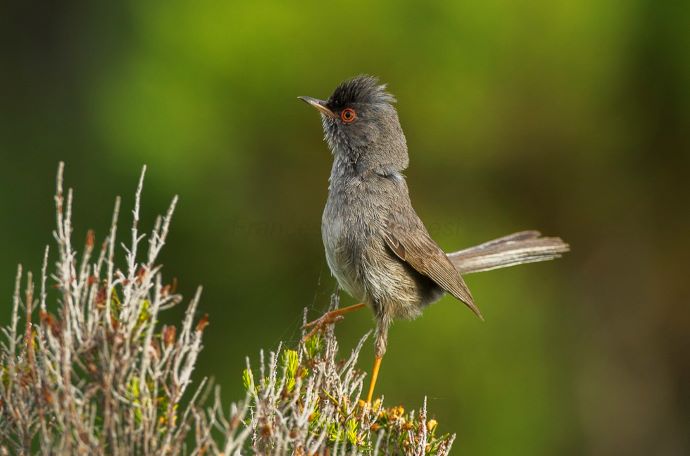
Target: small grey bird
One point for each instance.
(376, 246)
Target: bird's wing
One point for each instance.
(414, 246)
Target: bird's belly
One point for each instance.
(367, 270)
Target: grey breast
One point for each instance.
(352, 227)
(344, 229)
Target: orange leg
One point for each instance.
(328, 319)
(374, 376)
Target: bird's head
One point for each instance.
(361, 125)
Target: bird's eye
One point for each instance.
(348, 115)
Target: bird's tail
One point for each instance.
(511, 250)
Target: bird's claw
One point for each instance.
(329, 318)
(326, 319)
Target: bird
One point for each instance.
(376, 246)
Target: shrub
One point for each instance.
(96, 373)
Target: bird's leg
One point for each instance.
(328, 319)
(380, 347)
(374, 376)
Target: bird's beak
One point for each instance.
(319, 105)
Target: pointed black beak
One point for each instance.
(319, 105)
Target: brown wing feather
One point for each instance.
(415, 247)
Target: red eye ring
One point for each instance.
(348, 115)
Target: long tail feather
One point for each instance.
(517, 248)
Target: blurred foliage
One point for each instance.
(568, 117)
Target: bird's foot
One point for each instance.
(321, 323)
(329, 318)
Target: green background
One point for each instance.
(571, 117)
